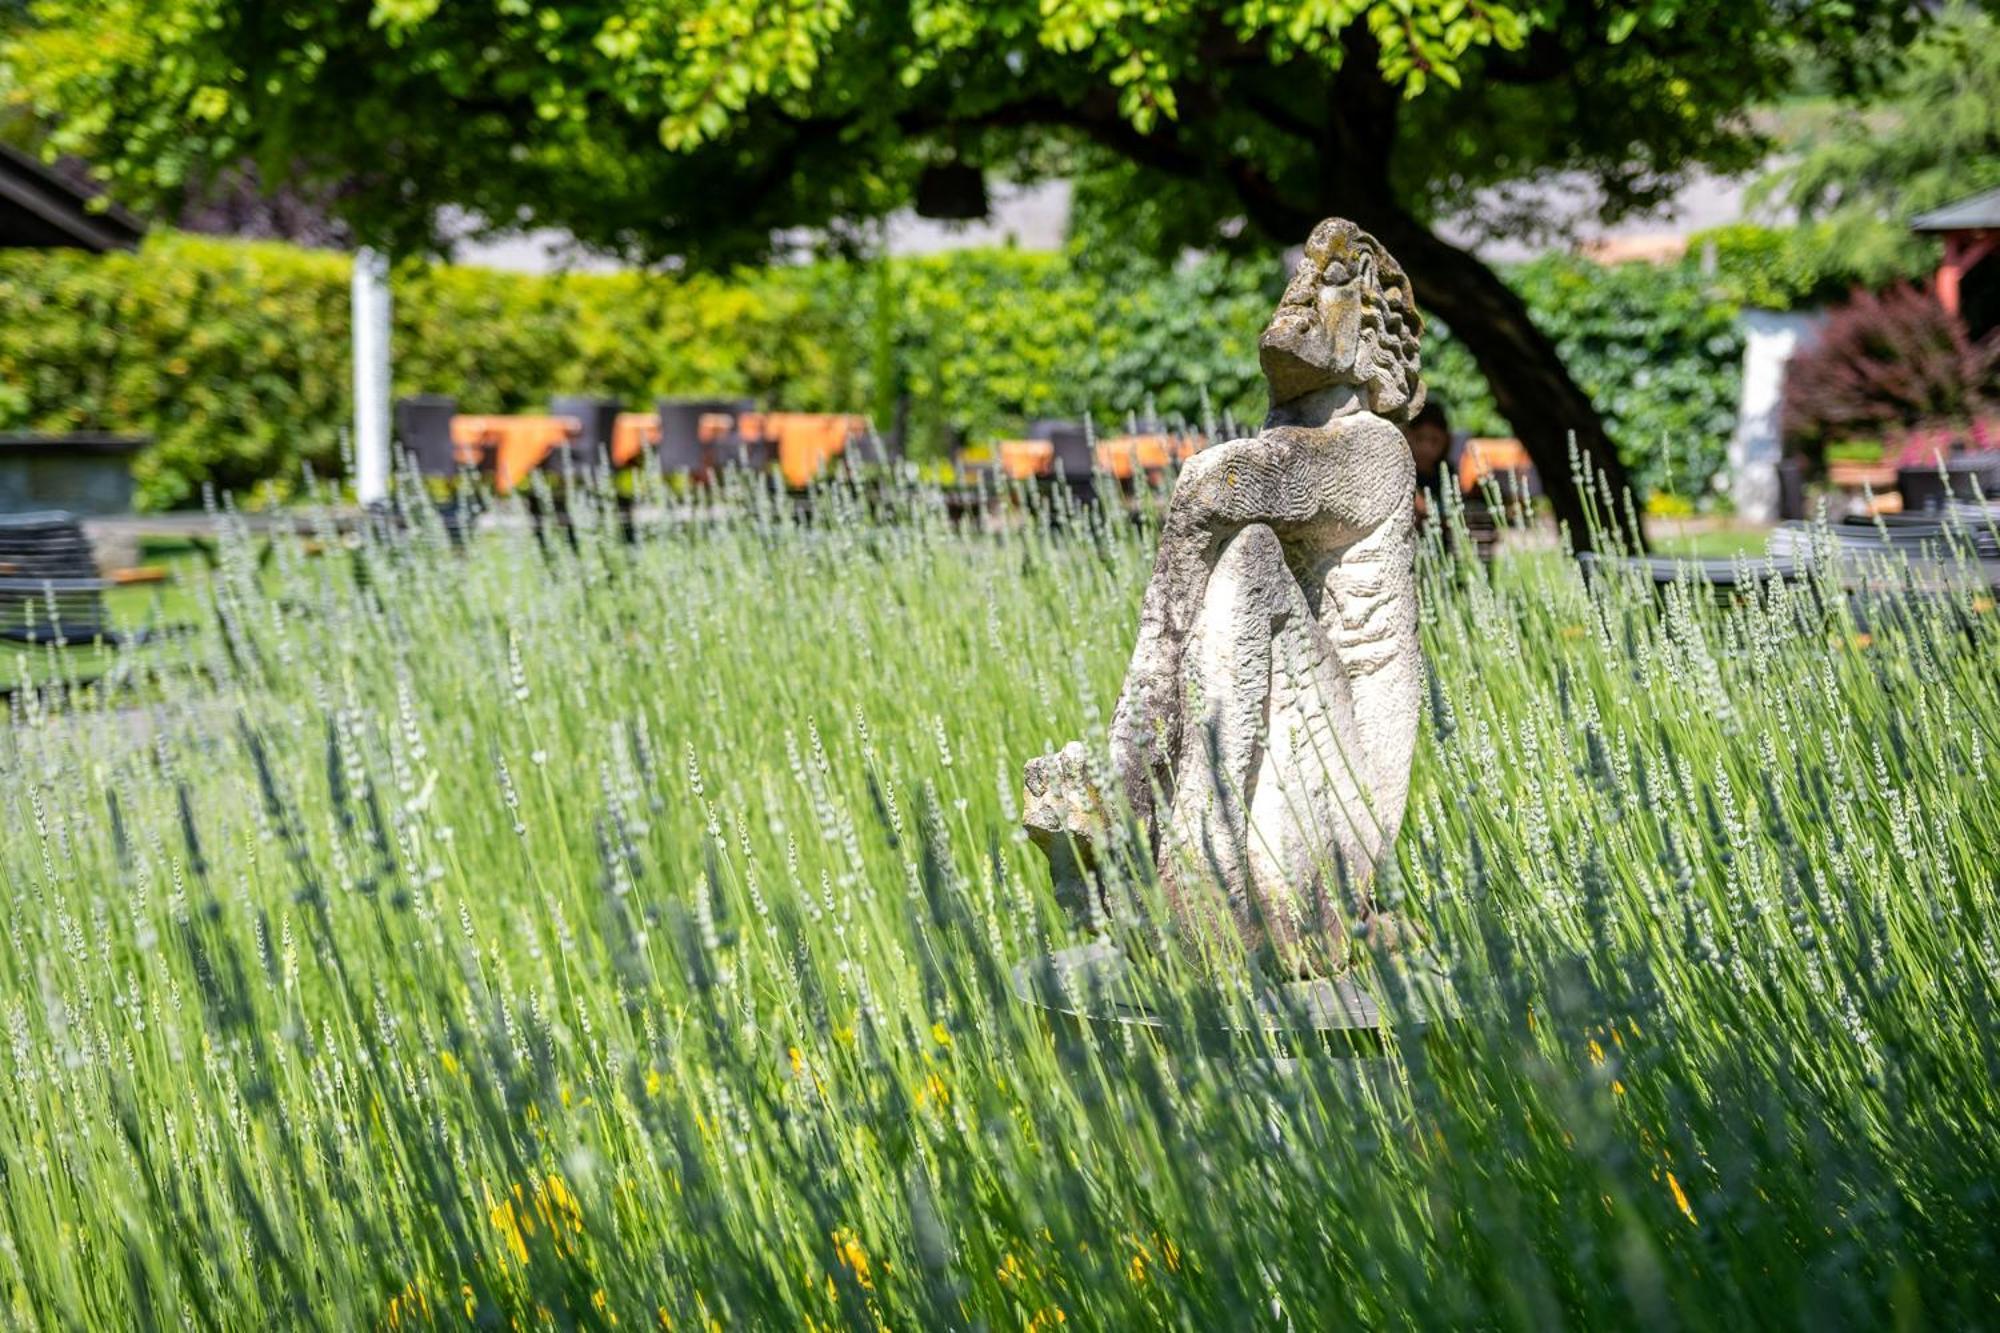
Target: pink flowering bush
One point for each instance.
(1895, 366)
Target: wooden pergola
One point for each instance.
(1971, 232)
(39, 208)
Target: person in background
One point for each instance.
(1429, 434)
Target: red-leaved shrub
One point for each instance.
(1886, 364)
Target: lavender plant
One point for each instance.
(559, 934)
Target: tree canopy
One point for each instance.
(707, 130)
(1929, 136)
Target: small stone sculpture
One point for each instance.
(1271, 703)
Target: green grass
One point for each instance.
(536, 940)
(1715, 544)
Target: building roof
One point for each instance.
(1976, 213)
(40, 208)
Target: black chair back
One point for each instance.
(1791, 489)
(681, 448)
(1925, 488)
(597, 416)
(1074, 458)
(423, 427)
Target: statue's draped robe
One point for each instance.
(1274, 688)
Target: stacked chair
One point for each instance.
(50, 590)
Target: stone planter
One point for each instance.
(85, 472)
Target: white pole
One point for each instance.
(371, 375)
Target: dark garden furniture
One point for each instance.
(1966, 477)
(423, 428)
(1724, 575)
(1885, 552)
(509, 446)
(1072, 455)
(597, 420)
(686, 440)
(50, 588)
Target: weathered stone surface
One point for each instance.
(1065, 817)
(1265, 730)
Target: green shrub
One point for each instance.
(234, 356)
(1655, 347)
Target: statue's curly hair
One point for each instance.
(1348, 316)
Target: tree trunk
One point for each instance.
(1530, 384)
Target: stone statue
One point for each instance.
(1264, 733)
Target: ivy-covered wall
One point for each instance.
(233, 356)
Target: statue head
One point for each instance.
(1348, 317)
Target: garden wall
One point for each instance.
(233, 355)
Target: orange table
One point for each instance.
(807, 441)
(635, 432)
(631, 434)
(1118, 455)
(804, 442)
(516, 445)
(1486, 455)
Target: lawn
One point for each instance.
(622, 935)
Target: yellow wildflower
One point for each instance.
(509, 1226)
(1681, 1198)
(1136, 1270)
(847, 1248)
(449, 1061)
(1047, 1317)
(557, 1203)
(652, 1082)
(939, 1035)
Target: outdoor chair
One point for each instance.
(1073, 459)
(50, 588)
(681, 447)
(597, 416)
(1926, 488)
(423, 428)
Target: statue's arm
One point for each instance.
(1219, 491)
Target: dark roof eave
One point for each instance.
(28, 188)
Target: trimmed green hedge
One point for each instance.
(233, 355)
